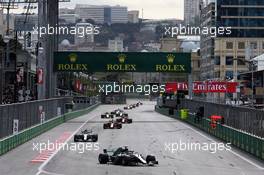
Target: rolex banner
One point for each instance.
(122, 62)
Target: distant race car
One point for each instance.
(140, 103)
(128, 107)
(86, 136)
(119, 113)
(133, 106)
(124, 120)
(123, 156)
(112, 125)
(107, 115)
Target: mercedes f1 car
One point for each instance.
(112, 125)
(124, 120)
(107, 115)
(86, 136)
(123, 156)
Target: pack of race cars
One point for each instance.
(120, 115)
(122, 155)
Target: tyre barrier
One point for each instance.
(14, 141)
(247, 142)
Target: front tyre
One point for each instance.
(103, 158)
(151, 159)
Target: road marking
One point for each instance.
(238, 155)
(44, 155)
(40, 169)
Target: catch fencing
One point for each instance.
(17, 117)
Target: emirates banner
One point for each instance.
(203, 87)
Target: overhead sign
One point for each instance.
(204, 87)
(122, 62)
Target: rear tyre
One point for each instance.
(150, 159)
(75, 139)
(103, 158)
(95, 138)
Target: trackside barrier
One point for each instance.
(249, 143)
(13, 141)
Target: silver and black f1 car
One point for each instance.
(86, 136)
(107, 115)
(123, 156)
(112, 125)
(124, 120)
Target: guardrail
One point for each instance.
(13, 141)
(249, 143)
(242, 118)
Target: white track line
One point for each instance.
(238, 155)
(40, 169)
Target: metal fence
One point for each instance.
(246, 119)
(20, 116)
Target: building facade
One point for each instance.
(191, 11)
(225, 56)
(116, 45)
(133, 16)
(83, 38)
(95, 13)
(102, 14)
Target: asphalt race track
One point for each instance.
(148, 134)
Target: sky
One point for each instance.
(153, 9)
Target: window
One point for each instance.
(229, 45)
(263, 45)
(217, 60)
(241, 45)
(229, 74)
(229, 61)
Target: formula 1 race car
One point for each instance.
(124, 120)
(133, 105)
(107, 115)
(139, 103)
(123, 156)
(112, 125)
(119, 113)
(86, 136)
(128, 107)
